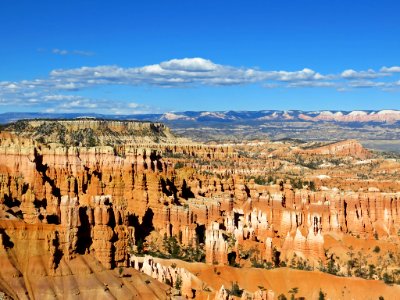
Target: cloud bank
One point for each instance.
(59, 90)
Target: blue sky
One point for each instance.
(156, 56)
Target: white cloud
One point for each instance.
(305, 74)
(59, 89)
(70, 52)
(196, 64)
(61, 52)
(79, 104)
(321, 84)
(170, 73)
(59, 97)
(133, 105)
(368, 74)
(394, 69)
(178, 72)
(366, 84)
(71, 86)
(72, 103)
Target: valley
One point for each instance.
(133, 208)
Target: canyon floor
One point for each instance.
(112, 209)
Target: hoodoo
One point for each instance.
(84, 200)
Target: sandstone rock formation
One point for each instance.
(108, 192)
(343, 148)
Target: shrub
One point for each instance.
(386, 278)
(321, 295)
(179, 165)
(178, 283)
(371, 271)
(282, 297)
(293, 293)
(172, 247)
(235, 290)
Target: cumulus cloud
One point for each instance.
(368, 74)
(367, 84)
(196, 64)
(199, 71)
(303, 75)
(61, 87)
(321, 84)
(394, 69)
(170, 73)
(178, 72)
(44, 97)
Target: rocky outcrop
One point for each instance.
(93, 132)
(343, 148)
(184, 282)
(110, 201)
(388, 116)
(216, 245)
(226, 294)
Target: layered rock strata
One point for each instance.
(105, 197)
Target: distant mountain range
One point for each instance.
(262, 116)
(387, 116)
(374, 129)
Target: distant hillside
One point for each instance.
(15, 116)
(361, 116)
(375, 129)
(89, 132)
(386, 116)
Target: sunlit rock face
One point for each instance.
(349, 147)
(102, 189)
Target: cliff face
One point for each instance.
(344, 148)
(92, 132)
(103, 202)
